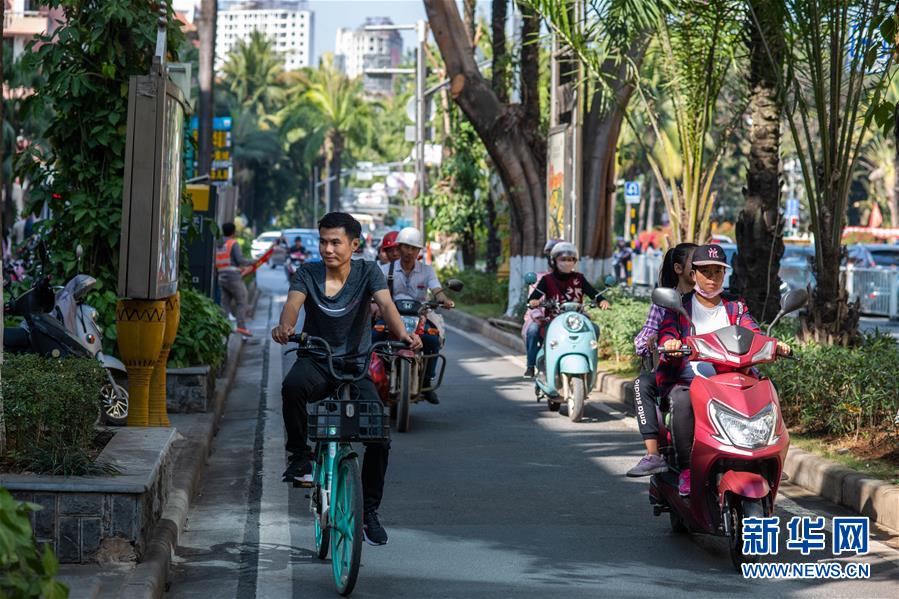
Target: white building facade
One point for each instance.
(358, 49)
(288, 24)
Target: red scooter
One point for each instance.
(740, 440)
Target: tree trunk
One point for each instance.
(601, 130)
(893, 191)
(759, 229)
(498, 125)
(6, 199)
(500, 86)
(206, 30)
(334, 170)
(470, 23)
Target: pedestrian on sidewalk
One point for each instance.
(228, 262)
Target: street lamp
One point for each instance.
(421, 27)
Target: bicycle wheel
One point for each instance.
(322, 526)
(346, 525)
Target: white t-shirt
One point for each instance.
(416, 285)
(706, 320)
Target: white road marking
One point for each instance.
(273, 569)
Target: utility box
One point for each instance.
(201, 251)
(151, 194)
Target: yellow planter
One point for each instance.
(157, 408)
(141, 331)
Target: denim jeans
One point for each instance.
(533, 344)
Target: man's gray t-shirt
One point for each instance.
(344, 321)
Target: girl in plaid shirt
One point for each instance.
(676, 272)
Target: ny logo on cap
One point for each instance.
(713, 252)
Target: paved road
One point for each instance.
(490, 495)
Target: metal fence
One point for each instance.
(877, 289)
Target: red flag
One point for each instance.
(876, 218)
(248, 270)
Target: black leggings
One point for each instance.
(307, 382)
(646, 397)
(682, 424)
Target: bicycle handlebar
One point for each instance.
(324, 350)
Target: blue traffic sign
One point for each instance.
(632, 192)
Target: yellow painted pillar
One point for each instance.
(141, 329)
(157, 408)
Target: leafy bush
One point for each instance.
(838, 390)
(619, 326)
(203, 332)
(24, 571)
(480, 287)
(50, 406)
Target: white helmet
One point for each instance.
(410, 236)
(564, 248)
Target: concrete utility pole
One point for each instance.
(206, 29)
(420, 72)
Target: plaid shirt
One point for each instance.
(675, 326)
(650, 329)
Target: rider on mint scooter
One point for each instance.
(410, 278)
(709, 309)
(561, 285)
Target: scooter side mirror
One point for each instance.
(530, 278)
(455, 285)
(791, 301)
(671, 300)
(79, 251)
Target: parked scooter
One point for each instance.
(740, 440)
(404, 369)
(566, 362)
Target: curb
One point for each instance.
(876, 499)
(148, 579)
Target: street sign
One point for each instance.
(430, 109)
(632, 192)
(792, 208)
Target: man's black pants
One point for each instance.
(309, 381)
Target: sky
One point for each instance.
(332, 14)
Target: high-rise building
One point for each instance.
(288, 23)
(358, 49)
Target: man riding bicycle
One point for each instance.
(339, 291)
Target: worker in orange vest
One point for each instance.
(228, 262)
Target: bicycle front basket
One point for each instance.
(354, 420)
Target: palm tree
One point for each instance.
(759, 228)
(335, 113)
(254, 75)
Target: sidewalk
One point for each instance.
(830, 480)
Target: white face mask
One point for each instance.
(565, 267)
(707, 294)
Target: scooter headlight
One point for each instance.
(574, 323)
(411, 323)
(739, 431)
(766, 353)
(704, 350)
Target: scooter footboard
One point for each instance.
(743, 484)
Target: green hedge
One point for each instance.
(480, 287)
(619, 325)
(202, 334)
(24, 570)
(835, 390)
(50, 407)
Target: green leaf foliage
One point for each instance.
(50, 407)
(77, 166)
(202, 335)
(25, 570)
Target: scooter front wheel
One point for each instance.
(745, 508)
(577, 398)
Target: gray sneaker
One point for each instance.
(650, 464)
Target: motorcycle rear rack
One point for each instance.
(441, 368)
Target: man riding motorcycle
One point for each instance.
(410, 278)
(389, 251)
(562, 284)
(339, 291)
(709, 309)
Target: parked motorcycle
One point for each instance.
(740, 440)
(404, 370)
(566, 362)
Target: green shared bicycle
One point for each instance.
(336, 489)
